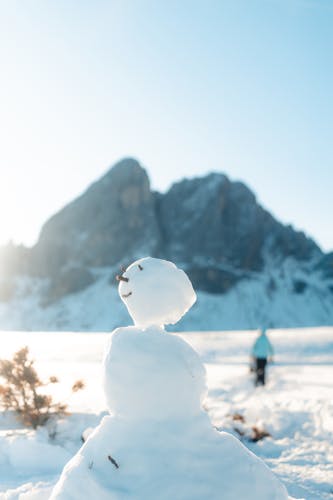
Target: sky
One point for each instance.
(243, 87)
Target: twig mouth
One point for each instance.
(125, 295)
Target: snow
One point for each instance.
(154, 384)
(156, 292)
(36, 448)
(295, 406)
(147, 466)
(251, 303)
(158, 443)
(149, 374)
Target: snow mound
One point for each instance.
(15, 447)
(183, 460)
(159, 443)
(156, 292)
(149, 373)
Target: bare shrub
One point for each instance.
(253, 434)
(258, 434)
(78, 385)
(20, 391)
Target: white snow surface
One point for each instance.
(295, 407)
(180, 460)
(156, 292)
(150, 374)
(251, 303)
(158, 443)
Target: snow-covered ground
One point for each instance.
(295, 406)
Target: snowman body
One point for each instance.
(159, 444)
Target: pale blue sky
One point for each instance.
(243, 87)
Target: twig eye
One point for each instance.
(140, 267)
(119, 277)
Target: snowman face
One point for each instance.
(155, 292)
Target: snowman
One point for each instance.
(158, 443)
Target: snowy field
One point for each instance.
(295, 407)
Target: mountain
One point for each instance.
(223, 235)
(114, 218)
(249, 268)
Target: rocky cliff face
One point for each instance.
(260, 271)
(208, 218)
(218, 229)
(211, 226)
(113, 219)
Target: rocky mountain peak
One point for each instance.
(124, 171)
(212, 226)
(114, 218)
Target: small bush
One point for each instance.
(20, 391)
(78, 385)
(245, 432)
(258, 434)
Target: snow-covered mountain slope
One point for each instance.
(284, 298)
(295, 406)
(247, 267)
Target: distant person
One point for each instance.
(262, 351)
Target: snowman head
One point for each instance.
(155, 292)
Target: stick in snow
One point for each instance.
(112, 460)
